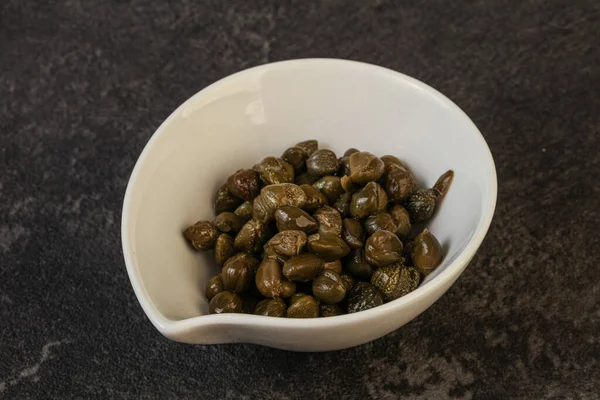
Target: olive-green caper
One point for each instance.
(294, 218)
(426, 253)
(288, 243)
(238, 272)
(329, 219)
(314, 198)
(296, 157)
(303, 267)
(402, 220)
(202, 235)
(270, 308)
(351, 151)
(274, 170)
(330, 310)
(223, 248)
(368, 200)
(282, 194)
(342, 204)
(381, 221)
(363, 296)
(269, 279)
(304, 306)
(309, 146)
(329, 246)
(305, 179)
(383, 248)
(389, 160)
(260, 211)
(213, 287)
(244, 211)
(328, 287)
(364, 168)
(335, 266)
(330, 186)
(399, 182)
(344, 166)
(421, 205)
(357, 266)
(253, 235)
(322, 162)
(244, 183)
(348, 281)
(248, 303)
(225, 302)
(443, 183)
(353, 233)
(228, 222)
(395, 280)
(225, 201)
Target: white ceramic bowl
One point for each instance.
(259, 112)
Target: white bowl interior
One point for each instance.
(260, 112)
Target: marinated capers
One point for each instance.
(288, 243)
(244, 211)
(314, 198)
(253, 235)
(270, 308)
(330, 186)
(329, 246)
(368, 200)
(303, 306)
(238, 272)
(228, 222)
(330, 310)
(274, 170)
(296, 157)
(202, 235)
(244, 184)
(213, 287)
(363, 296)
(328, 287)
(303, 267)
(395, 280)
(426, 252)
(322, 162)
(225, 201)
(294, 218)
(353, 233)
(270, 281)
(329, 219)
(225, 302)
(383, 248)
(381, 221)
(224, 248)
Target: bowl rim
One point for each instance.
(170, 328)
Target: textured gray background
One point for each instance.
(83, 85)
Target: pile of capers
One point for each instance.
(309, 234)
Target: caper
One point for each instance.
(296, 157)
(274, 170)
(344, 166)
(426, 252)
(223, 248)
(269, 279)
(288, 243)
(260, 211)
(305, 179)
(293, 218)
(395, 280)
(368, 200)
(365, 168)
(270, 308)
(253, 235)
(342, 204)
(248, 303)
(383, 248)
(202, 235)
(329, 246)
(402, 220)
(329, 219)
(335, 266)
(213, 287)
(328, 287)
(330, 310)
(309, 146)
(350, 151)
(443, 183)
(330, 186)
(322, 162)
(421, 205)
(225, 201)
(381, 221)
(363, 296)
(303, 267)
(238, 272)
(389, 160)
(353, 233)
(225, 302)
(228, 222)
(244, 183)
(244, 211)
(348, 281)
(314, 198)
(282, 194)
(269, 252)
(357, 266)
(304, 306)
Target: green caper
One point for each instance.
(381, 221)
(368, 200)
(303, 267)
(225, 302)
(296, 157)
(330, 186)
(304, 306)
(363, 296)
(329, 246)
(260, 211)
(402, 220)
(225, 201)
(353, 233)
(443, 183)
(392, 160)
(244, 211)
(253, 235)
(335, 266)
(426, 252)
(328, 287)
(269, 252)
(383, 248)
(351, 151)
(270, 308)
(228, 222)
(213, 287)
(395, 280)
(293, 218)
(330, 310)
(274, 170)
(309, 146)
(329, 219)
(238, 272)
(342, 204)
(322, 162)
(344, 166)
(421, 205)
(244, 183)
(305, 179)
(357, 266)
(223, 248)
(269, 279)
(248, 303)
(288, 243)
(399, 183)
(282, 194)
(202, 235)
(348, 281)
(364, 168)
(314, 198)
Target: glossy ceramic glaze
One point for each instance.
(239, 120)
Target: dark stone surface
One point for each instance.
(83, 85)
